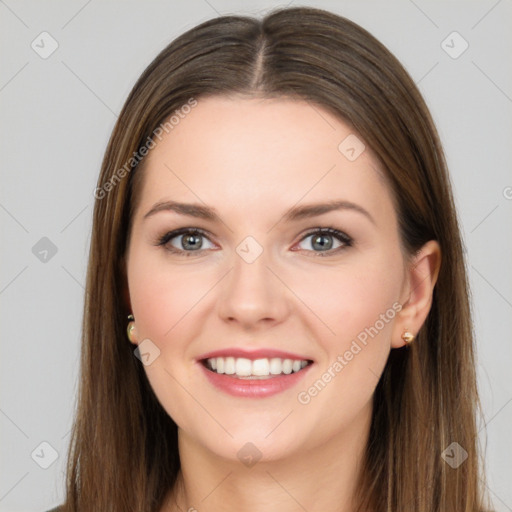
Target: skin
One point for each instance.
(252, 160)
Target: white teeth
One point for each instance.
(276, 366)
(229, 366)
(287, 366)
(243, 367)
(260, 367)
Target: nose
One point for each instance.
(252, 295)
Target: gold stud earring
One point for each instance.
(131, 328)
(408, 337)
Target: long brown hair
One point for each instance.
(124, 454)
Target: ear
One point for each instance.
(417, 293)
(125, 297)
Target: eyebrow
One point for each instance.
(294, 214)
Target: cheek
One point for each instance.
(164, 301)
(162, 295)
(358, 309)
(348, 299)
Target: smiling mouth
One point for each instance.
(264, 368)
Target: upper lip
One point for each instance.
(261, 353)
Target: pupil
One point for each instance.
(190, 240)
(320, 240)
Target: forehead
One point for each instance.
(261, 151)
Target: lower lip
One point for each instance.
(254, 388)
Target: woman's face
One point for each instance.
(259, 284)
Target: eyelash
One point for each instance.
(339, 235)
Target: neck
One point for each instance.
(325, 478)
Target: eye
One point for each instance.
(184, 240)
(322, 241)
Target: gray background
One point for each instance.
(57, 114)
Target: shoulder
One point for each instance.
(56, 509)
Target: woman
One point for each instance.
(277, 307)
